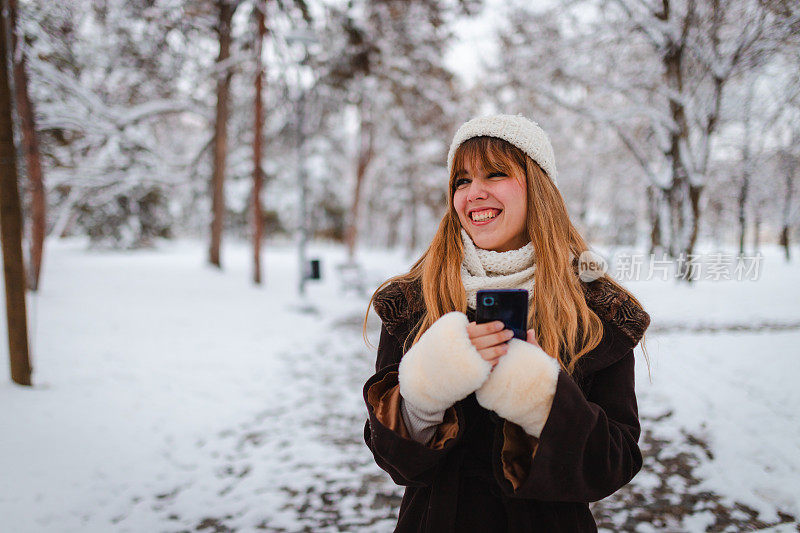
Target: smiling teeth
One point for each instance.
(480, 216)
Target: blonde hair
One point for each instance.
(563, 322)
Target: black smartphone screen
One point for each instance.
(507, 305)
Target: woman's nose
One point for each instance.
(477, 191)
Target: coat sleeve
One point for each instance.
(588, 448)
(407, 461)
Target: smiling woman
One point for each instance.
(488, 432)
(490, 197)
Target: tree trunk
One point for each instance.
(413, 239)
(584, 200)
(66, 215)
(654, 199)
(757, 234)
(743, 190)
(789, 167)
(223, 74)
(680, 196)
(746, 165)
(30, 147)
(11, 229)
(784, 241)
(413, 208)
(695, 193)
(393, 234)
(365, 152)
(258, 172)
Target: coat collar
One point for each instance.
(617, 308)
(399, 305)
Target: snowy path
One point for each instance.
(721, 444)
(298, 465)
(173, 397)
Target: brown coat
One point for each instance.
(483, 473)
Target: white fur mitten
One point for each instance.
(522, 386)
(443, 367)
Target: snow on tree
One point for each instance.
(387, 66)
(106, 80)
(653, 73)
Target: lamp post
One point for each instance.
(304, 38)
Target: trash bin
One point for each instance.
(314, 270)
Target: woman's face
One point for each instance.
(492, 207)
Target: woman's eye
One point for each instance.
(497, 175)
(461, 181)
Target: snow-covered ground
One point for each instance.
(171, 396)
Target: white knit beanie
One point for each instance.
(516, 129)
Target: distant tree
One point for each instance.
(11, 227)
(260, 8)
(226, 104)
(30, 146)
(225, 10)
(790, 165)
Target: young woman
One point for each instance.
(489, 433)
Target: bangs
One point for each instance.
(489, 154)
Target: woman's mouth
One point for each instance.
(484, 216)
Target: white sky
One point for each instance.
(475, 42)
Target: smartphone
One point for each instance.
(510, 306)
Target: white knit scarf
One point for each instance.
(486, 269)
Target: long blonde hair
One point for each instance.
(558, 313)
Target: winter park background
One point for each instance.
(172, 392)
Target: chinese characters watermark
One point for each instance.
(713, 266)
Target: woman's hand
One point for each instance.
(490, 339)
(532, 340)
